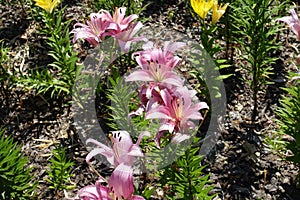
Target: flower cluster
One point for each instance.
(102, 24)
(202, 7)
(121, 156)
(162, 94)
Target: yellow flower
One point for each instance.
(201, 7)
(47, 5)
(218, 12)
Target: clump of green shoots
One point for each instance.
(59, 43)
(60, 171)
(185, 178)
(15, 178)
(289, 118)
(255, 33)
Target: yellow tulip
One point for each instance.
(218, 11)
(47, 5)
(201, 7)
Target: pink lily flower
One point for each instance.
(126, 37)
(293, 22)
(157, 65)
(123, 150)
(118, 22)
(149, 98)
(103, 24)
(177, 113)
(94, 192)
(120, 187)
(93, 32)
(163, 56)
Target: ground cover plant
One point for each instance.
(194, 99)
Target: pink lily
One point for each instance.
(163, 56)
(120, 187)
(126, 37)
(293, 22)
(93, 32)
(157, 65)
(152, 95)
(123, 150)
(177, 112)
(118, 22)
(149, 98)
(94, 192)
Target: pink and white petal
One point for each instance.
(121, 147)
(192, 114)
(121, 136)
(178, 137)
(167, 126)
(125, 46)
(296, 30)
(139, 112)
(88, 192)
(105, 15)
(113, 28)
(287, 19)
(135, 151)
(103, 191)
(157, 138)
(119, 14)
(173, 80)
(149, 45)
(166, 97)
(200, 106)
(84, 33)
(152, 103)
(173, 46)
(121, 181)
(129, 19)
(136, 197)
(173, 62)
(160, 112)
(136, 27)
(81, 25)
(141, 62)
(139, 75)
(99, 144)
(294, 15)
(108, 154)
(102, 149)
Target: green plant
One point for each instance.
(289, 118)
(255, 33)
(59, 76)
(205, 59)
(122, 103)
(15, 179)
(60, 170)
(185, 178)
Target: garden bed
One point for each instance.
(241, 164)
